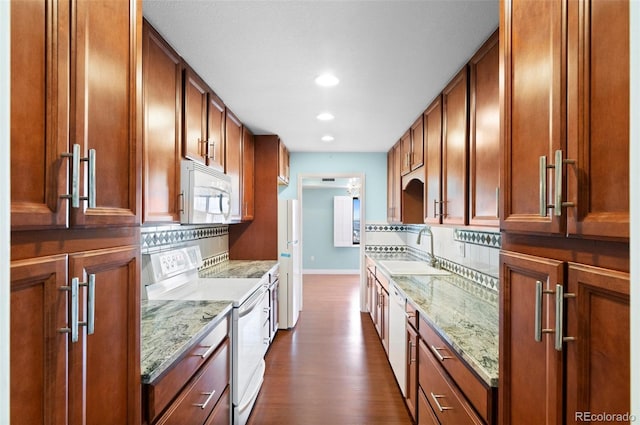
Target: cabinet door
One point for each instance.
(484, 135)
(454, 150)
(393, 184)
(162, 134)
(39, 113)
(384, 318)
(194, 128)
(107, 109)
(598, 118)
(598, 360)
(283, 163)
(405, 153)
(233, 163)
(532, 49)
(215, 132)
(433, 158)
(417, 143)
(248, 171)
(104, 378)
(530, 369)
(412, 370)
(38, 349)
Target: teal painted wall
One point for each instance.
(317, 230)
(372, 164)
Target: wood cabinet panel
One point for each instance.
(484, 135)
(215, 132)
(106, 60)
(412, 370)
(425, 413)
(405, 153)
(233, 163)
(248, 174)
(417, 143)
(598, 361)
(433, 161)
(532, 49)
(394, 208)
(104, 378)
(39, 113)
(598, 118)
(531, 378)
(38, 351)
(454, 150)
(283, 163)
(194, 125)
(220, 414)
(162, 129)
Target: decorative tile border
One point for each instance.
(385, 249)
(214, 261)
(153, 237)
(488, 239)
(385, 228)
(485, 280)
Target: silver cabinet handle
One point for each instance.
(212, 149)
(412, 347)
(435, 398)
(204, 405)
(181, 197)
(436, 350)
(557, 196)
(537, 332)
(91, 304)
(207, 353)
(73, 328)
(560, 296)
(74, 196)
(92, 179)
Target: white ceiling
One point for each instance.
(261, 57)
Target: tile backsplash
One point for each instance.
(473, 254)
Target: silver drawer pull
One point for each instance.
(207, 353)
(441, 408)
(74, 288)
(436, 350)
(204, 405)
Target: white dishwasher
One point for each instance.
(398, 337)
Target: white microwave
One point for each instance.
(205, 194)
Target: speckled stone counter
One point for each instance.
(463, 313)
(240, 269)
(170, 328)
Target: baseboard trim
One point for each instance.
(329, 271)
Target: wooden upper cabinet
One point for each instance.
(106, 109)
(194, 138)
(162, 135)
(454, 150)
(417, 143)
(405, 153)
(484, 135)
(233, 161)
(215, 132)
(248, 174)
(39, 114)
(283, 163)
(393, 184)
(533, 114)
(433, 161)
(598, 119)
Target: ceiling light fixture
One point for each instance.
(325, 116)
(327, 138)
(327, 80)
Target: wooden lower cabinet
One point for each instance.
(411, 396)
(91, 379)
(589, 369)
(220, 413)
(426, 415)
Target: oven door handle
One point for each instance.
(251, 303)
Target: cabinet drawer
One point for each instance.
(448, 404)
(222, 412)
(197, 401)
(164, 389)
(479, 394)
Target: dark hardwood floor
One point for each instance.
(331, 368)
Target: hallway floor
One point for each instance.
(331, 368)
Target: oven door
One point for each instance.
(248, 344)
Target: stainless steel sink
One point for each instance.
(406, 267)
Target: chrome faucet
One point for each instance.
(427, 230)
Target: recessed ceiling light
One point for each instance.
(327, 138)
(325, 116)
(327, 80)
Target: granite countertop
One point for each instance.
(240, 269)
(463, 313)
(171, 328)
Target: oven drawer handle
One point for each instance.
(252, 303)
(204, 405)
